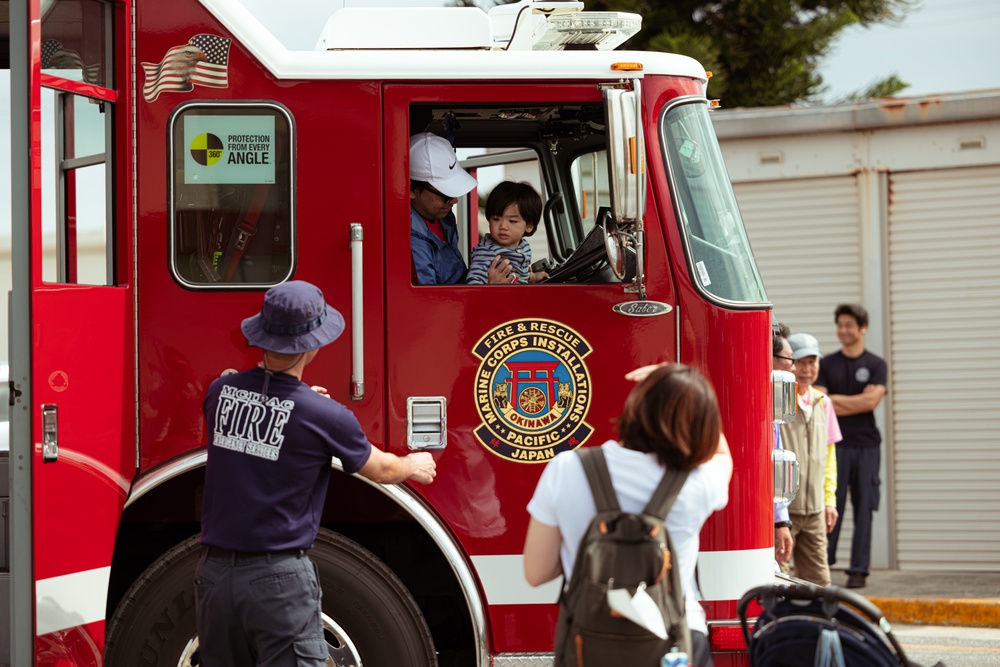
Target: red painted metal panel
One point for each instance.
(83, 365)
(481, 494)
(186, 338)
(731, 347)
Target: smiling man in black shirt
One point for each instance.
(855, 380)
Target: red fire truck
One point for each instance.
(215, 161)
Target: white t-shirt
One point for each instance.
(563, 499)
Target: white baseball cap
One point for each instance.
(433, 160)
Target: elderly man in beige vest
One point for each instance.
(812, 436)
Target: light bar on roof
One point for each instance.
(602, 30)
(547, 25)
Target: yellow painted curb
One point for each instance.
(940, 611)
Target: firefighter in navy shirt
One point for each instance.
(270, 442)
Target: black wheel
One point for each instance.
(370, 618)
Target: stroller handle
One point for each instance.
(830, 595)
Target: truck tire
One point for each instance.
(370, 618)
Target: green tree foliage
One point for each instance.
(761, 52)
(886, 87)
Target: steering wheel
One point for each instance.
(589, 257)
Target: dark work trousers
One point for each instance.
(857, 472)
(261, 610)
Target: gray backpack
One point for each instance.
(621, 550)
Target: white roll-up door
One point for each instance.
(944, 300)
(806, 237)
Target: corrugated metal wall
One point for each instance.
(944, 304)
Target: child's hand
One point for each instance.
(538, 276)
(320, 390)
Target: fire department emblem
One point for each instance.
(532, 390)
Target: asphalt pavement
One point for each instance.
(970, 599)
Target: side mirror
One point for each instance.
(621, 249)
(614, 247)
(626, 153)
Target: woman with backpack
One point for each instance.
(670, 423)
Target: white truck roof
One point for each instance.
(463, 50)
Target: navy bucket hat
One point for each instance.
(295, 318)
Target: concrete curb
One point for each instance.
(940, 611)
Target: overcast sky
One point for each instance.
(942, 46)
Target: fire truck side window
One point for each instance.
(76, 229)
(231, 183)
(74, 40)
(558, 148)
(722, 263)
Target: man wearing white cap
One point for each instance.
(437, 180)
(812, 435)
(270, 441)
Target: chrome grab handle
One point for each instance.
(640, 193)
(357, 315)
(50, 433)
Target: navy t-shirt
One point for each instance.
(269, 462)
(840, 374)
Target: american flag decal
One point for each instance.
(203, 61)
(56, 56)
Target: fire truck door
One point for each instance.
(80, 389)
(520, 372)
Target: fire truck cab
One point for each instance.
(216, 162)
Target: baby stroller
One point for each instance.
(806, 625)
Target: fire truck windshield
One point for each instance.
(719, 254)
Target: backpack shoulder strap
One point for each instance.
(666, 493)
(596, 467)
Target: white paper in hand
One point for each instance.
(638, 608)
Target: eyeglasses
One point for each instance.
(778, 356)
(445, 198)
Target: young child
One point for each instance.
(513, 210)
